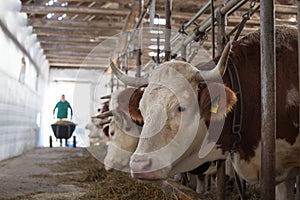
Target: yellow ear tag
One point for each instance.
(214, 108)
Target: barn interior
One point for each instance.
(55, 47)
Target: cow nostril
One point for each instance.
(112, 133)
(138, 166)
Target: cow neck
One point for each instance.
(231, 133)
(237, 111)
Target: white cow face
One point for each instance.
(173, 127)
(124, 136)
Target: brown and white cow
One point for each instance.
(124, 135)
(188, 120)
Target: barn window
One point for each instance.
(22, 71)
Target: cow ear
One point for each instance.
(214, 103)
(134, 110)
(105, 130)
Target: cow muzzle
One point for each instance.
(144, 168)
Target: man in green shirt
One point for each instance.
(62, 108)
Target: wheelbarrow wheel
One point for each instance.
(74, 141)
(50, 141)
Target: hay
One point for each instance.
(64, 122)
(119, 186)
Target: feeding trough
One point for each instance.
(63, 129)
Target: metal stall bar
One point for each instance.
(140, 38)
(168, 30)
(298, 20)
(212, 29)
(142, 14)
(221, 169)
(204, 26)
(268, 94)
(191, 21)
(237, 6)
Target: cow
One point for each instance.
(123, 132)
(96, 125)
(188, 112)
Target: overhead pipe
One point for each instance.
(191, 21)
(237, 6)
(204, 25)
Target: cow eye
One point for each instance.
(181, 109)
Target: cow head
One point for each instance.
(176, 107)
(123, 133)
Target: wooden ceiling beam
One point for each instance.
(74, 24)
(103, 1)
(71, 61)
(76, 53)
(78, 65)
(37, 9)
(74, 56)
(74, 32)
(71, 39)
(66, 46)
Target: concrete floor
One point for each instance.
(45, 173)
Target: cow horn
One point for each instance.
(106, 96)
(131, 81)
(104, 115)
(220, 67)
(104, 121)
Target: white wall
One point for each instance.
(20, 103)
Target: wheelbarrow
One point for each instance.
(63, 129)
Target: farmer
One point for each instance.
(62, 108)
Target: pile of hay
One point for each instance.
(64, 122)
(119, 185)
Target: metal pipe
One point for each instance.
(221, 32)
(140, 37)
(205, 24)
(237, 6)
(142, 13)
(152, 14)
(192, 20)
(119, 66)
(221, 182)
(212, 29)
(183, 53)
(224, 9)
(298, 20)
(112, 83)
(168, 30)
(268, 101)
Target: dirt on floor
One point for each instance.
(64, 173)
(70, 173)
